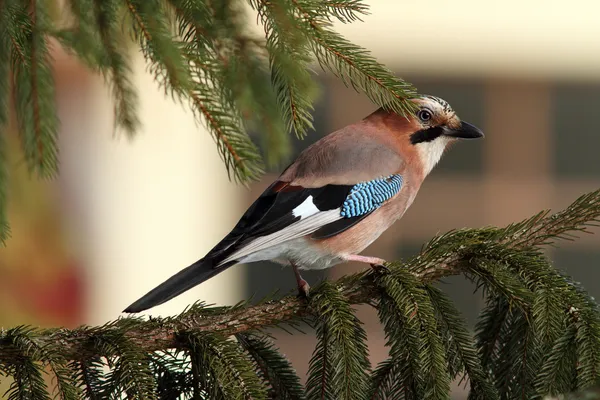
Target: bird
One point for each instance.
(338, 196)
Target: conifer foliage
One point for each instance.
(202, 53)
(538, 335)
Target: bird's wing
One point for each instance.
(357, 153)
(330, 187)
(290, 208)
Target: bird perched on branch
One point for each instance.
(335, 199)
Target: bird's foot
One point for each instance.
(303, 286)
(380, 268)
(375, 262)
(365, 259)
(303, 289)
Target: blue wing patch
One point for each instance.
(367, 196)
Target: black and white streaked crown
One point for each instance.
(445, 105)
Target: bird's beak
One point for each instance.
(465, 131)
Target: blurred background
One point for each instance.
(125, 215)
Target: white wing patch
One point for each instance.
(306, 209)
(305, 226)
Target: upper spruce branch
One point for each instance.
(203, 54)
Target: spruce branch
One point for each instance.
(224, 372)
(339, 366)
(398, 311)
(530, 305)
(272, 367)
(352, 63)
(246, 81)
(228, 84)
(235, 147)
(410, 298)
(165, 56)
(172, 378)
(491, 320)
(200, 52)
(118, 70)
(515, 367)
(345, 11)
(289, 60)
(33, 88)
(163, 333)
(83, 38)
(460, 349)
(90, 373)
(383, 382)
(558, 374)
(29, 370)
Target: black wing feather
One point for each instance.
(272, 212)
(336, 227)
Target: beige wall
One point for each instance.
(140, 210)
(533, 39)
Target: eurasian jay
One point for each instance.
(335, 199)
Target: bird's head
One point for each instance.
(438, 122)
(435, 125)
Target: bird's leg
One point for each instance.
(303, 286)
(375, 262)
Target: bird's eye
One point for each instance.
(424, 115)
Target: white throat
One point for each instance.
(431, 152)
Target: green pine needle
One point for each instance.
(235, 147)
(384, 382)
(345, 11)
(339, 366)
(165, 55)
(408, 316)
(274, 369)
(28, 372)
(459, 342)
(118, 71)
(82, 37)
(172, 372)
(289, 61)
(352, 63)
(517, 364)
(220, 370)
(89, 374)
(558, 372)
(34, 88)
(130, 371)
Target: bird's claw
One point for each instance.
(380, 268)
(304, 290)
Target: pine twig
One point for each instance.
(160, 334)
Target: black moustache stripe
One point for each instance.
(426, 135)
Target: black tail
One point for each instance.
(182, 281)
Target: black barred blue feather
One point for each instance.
(362, 200)
(368, 196)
